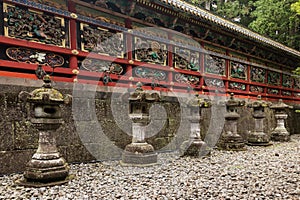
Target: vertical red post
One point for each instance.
(281, 79)
(227, 72)
(248, 79)
(73, 62)
(170, 61)
(202, 66)
(266, 83)
(129, 48)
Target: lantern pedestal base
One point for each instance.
(49, 169)
(29, 183)
(194, 148)
(280, 135)
(139, 154)
(232, 142)
(258, 139)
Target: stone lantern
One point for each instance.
(257, 136)
(231, 140)
(280, 133)
(139, 152)
(195, 146)
(46, 167)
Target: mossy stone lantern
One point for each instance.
(230, 139)
(46, 167)
(139, 152)
(257, 137)
(280, 133)
(195, 147)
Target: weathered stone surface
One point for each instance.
(6, 136)
(14, 161)
(25, 135)
(70, 145)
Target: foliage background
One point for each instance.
(276, 19)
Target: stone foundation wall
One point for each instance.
(92, 112)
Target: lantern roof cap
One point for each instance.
(46, 94)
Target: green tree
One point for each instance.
(275, 19)
(296, 7)
(238, 11)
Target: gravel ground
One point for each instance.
(259, 173)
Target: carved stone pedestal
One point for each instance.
(195, 147)
(280, 133)
(230, 139)
(139, 152)
(46, 167)
(257, 137)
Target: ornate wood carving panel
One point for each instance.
(101, 41)
(215, 65)
(27, 24)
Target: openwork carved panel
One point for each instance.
(297, 83)
(29, 25)
(296, 94)
(273, 78)
(238, 70)
(287, 81)
(33, 56)
(186, 59)
(237, 86)
(95, 65)
(286, 93)
(273, 91)
(184, 78)
(211, 82)
(143, 72)
(258, 74)
(150, 51)
(254, 88)
(214, 65)
(102, 41)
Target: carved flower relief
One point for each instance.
(143, 72)
(150, 51)
(34, 57)
(211, 82)
(286, 93)
(237, 86)
(34, 26)
(95, 65)
(254, 88)
(214, 65)
(273, 91)
(184, 78)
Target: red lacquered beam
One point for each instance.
(19, 65)
(18, 75)
(35, 45)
